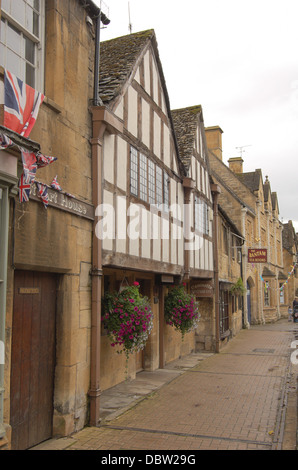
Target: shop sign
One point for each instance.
(257, 255)
(66, 203)
(202, 288)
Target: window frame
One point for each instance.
(39, 46)
(266, 294)
(156, 189)
(201, 215)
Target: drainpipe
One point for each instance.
(103, 120)
(215, 189)
(96, 281)
(98, 130)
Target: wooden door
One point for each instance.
(33, 358)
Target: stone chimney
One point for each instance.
(214, 140)
(236, 164)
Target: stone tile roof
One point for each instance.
(117, 59)
(185, 124)
(251, 179)
(230, 222)
(267, 272)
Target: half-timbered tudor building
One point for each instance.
(199, 262)
(160, 229)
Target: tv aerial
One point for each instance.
(241, 151)
(129, 20)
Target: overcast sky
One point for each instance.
(239, 60)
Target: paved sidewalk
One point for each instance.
(244, 398)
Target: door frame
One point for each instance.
(33, 358)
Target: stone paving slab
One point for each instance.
(235, 400)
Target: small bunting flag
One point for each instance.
(43, 194)
(29, 165)
(5, 142)
(24, 189)
(55, 184)
(43, 160)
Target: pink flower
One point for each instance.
(136, 283)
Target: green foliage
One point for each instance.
(238, 288)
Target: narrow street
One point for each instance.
(244, 398)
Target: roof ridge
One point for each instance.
(146, 33)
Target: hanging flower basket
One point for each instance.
(238, 288)
(181, 310)
(128, 318)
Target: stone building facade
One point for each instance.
(253, 208)
(289, 282)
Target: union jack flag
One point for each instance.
(55, 184)
(24, 189)
(21, 105)
(43, 160)
(29, 165)
(43, 194)
(5, 142)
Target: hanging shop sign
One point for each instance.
(257, 255)
(202, 288)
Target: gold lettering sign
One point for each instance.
(29, 290)
(257, 255)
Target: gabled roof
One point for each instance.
(185, 124)
(117, 59)
(230, 222)
(289, 237)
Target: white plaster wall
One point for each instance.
(119, 111)
(122, 164)
(157, 135)
(146, 123)
(109, 142)
(109, 227)
(155, 83)
(167, 147)
(132, 125)
(147, 72)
